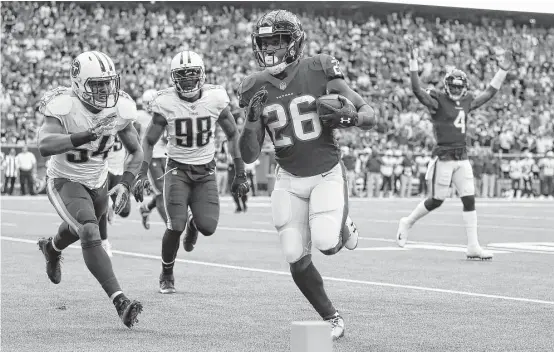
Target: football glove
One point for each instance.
(121, 191)
(256, 106)
(108, 123)
(346, 116)
(141, 183)
(240, 186)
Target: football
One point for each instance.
(332, 100)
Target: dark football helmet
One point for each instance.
(278, 40)
(456, 84)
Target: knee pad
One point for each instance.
(432, 203)
(205, 226)
(469, 203)
(89, 233)
(327, 217)
(292, 244)
(177, 225)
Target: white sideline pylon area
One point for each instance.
(311, 336)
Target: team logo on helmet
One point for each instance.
(75, 68)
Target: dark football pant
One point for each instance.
(156, 171)
(193, 186)
(77, 204)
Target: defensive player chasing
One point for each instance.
(116, 166)
(189, 112)
(450, 164)
(79, 129)
(157, 165)
(310, 199)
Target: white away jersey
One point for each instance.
(516, 169)
(160, 148)
(190, 126)
(547, 165)
(86, 164)
(116, 157)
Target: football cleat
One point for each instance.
(53, 261)
(167, 283)
(107, 247)
(128, 311)
(352, 241)
(402, 233)
(337, 326)
(191, 235)
(145, 214)
(478, 253)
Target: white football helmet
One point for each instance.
(188, 73)
(148, 96)
(95, 80)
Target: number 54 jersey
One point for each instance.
(303, 146)
(86, 164)
(190, 125)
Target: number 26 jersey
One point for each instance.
(86, 164)
(190, 125)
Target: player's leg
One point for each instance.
(328, 209)
(439, 175)
(291, 219)
(204, 207)
(462, 179)
(176, 197)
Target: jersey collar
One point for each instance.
(282, 84)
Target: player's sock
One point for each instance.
(152, 204)
(161, 207)
(470, 224)
(310, 283)
(170, 245)
(103, 226)
(244, 199)
(63, 239)
(100, 265)
(419, 212)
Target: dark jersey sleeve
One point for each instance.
(329, 65)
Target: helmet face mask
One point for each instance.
(94, 80)
(188, 73)
(278, 40)
(455, 84)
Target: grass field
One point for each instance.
(235, 292)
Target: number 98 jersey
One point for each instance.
(303, 146)
(86, 164)
(190, 125)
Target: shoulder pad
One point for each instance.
(243, 89)
(220, 95)
(327, 64)
(126, 107)
(56, 102)
(155, 105)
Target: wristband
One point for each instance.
(413, 65)
(239, 166)
(498, 78)
(127, 179)
(80, 138)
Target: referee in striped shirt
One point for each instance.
(10, 172)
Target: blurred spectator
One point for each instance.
(27, 165)
(11, 168)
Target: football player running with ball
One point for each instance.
(80, 126)
(189, 112)
(310, 199)
(450, 165)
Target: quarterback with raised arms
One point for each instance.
(450, 165)
(310, 199)
(189, 112)
(80, 127)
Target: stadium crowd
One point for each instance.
(41, 39)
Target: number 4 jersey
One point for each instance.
(449, 122)
(303, 146)
(190, 125)
(86, 164)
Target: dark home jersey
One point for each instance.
(449, 123)
(303, 146)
